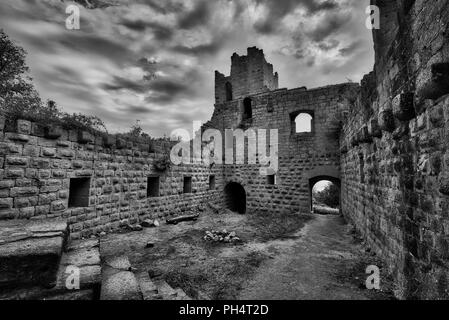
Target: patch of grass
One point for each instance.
(274, 226)
(230, 282)
(219, 279)
(188, 282)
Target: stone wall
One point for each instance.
(386, 141)
(304, 158)
(37, 166)
(394, 158)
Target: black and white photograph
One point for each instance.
(224, 154)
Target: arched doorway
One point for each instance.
(324, 195)
(235, 197)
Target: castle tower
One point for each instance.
(250, 74)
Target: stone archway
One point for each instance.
(317, 179)
(330, 173)
(235, 197)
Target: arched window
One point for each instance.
(303, 123)
(247, 109)
(228, 88)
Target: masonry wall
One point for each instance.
(36, 171)
(302, 156)
(395, 158)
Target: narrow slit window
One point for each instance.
(228, 89)
(211, 182)
(187, 185)
(362, 168)
(247, 109)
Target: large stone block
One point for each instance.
(17, 137)
(6, 203)
(14, 173)
(24, 191)
(66, 153)
(53, 132)
(85, 256)
(17, 161)
(23, 126)
(30, 251)
(85, 137)
(118, 283)
(48, 152)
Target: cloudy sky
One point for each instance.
(154, 60)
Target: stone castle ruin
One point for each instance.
(384, 143)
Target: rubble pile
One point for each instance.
(221, 236)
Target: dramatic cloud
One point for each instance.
(276, 10)
(154, 60)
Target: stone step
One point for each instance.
(118, 282)
(147, 287)
(169, 293)
(80, 258)
(165, 290)
(182, 295)
(30, 251)
(158, 289)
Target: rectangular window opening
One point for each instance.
(271, 179)
(79, 192)
(187, 185)
(152, 187)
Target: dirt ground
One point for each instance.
(287, 256)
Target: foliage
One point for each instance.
(18, 97)
(20, 100)
(136, 131)
(162, 164)
(329, 196)
(82, 122)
